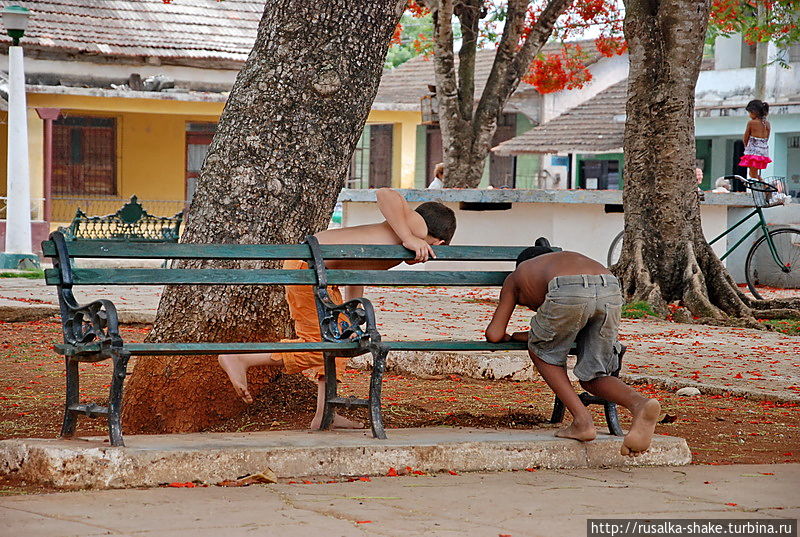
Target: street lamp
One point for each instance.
(15, 19)
(18, 253)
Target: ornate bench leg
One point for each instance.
(73, 398)
(330, 390)
(115, 398)
(558, 411)
(612, 419)
(375, 385)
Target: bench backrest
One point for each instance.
(131, 223)
(65, 275)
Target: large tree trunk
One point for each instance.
(467, 128)
(272, 174)
(665, 257)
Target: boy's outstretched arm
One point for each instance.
(406, 223)
(496, 331)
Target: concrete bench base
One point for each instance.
(213, 457)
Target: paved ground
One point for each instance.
(541, 503)
(759, 363)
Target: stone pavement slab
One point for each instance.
(544, 503)
(212, 457)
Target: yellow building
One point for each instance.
(132, 117)
(123, 99)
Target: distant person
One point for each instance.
(756, 139)
(722, 186)
(698, 175)
(438, 177)
(577, 300)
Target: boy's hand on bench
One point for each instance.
(421, 249)
(519, 336)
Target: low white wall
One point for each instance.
(573, 220)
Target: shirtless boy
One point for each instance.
(429, 225)
(577, 300)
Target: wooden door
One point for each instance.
(380, 156)
(198, 138)
(501, 169)
(433, 151)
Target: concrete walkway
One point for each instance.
(544, 503)
(757, 364)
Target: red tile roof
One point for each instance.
(183, 29)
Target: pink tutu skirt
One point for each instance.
(754, 161)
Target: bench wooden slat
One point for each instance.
(278, 277)
(138, 349)
(128, 250)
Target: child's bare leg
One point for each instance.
(339, 422)
(582, 426)
(236, 366)
(753, 173)
(645, 411)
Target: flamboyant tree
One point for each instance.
(661, 210)
(468, 125)
(665, 258)
(273, 171)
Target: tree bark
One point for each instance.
(272, 174)
(665, 257)
(468, 128)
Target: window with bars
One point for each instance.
(84, 156)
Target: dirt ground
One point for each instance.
(720, 429)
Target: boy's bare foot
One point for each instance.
(339, 422)
(237, 373)
(584, 433)
(638, 439)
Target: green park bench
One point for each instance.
(91, 331)
(130, 223)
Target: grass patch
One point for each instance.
(30, 274)
(637, 310)
(787, 326)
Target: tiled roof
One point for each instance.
(408, 82)
(183, 29)
(596, 126)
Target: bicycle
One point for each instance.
(782, 245)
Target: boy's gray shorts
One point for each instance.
(584, 309)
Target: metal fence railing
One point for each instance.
(37, 208)
(64, 207)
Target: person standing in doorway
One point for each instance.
(756, 137)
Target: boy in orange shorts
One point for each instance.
(430, 224)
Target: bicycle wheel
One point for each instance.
(615, 250)
(761, 269)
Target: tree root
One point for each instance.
(778, 313)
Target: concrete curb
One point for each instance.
(515, 365)
(212, 457)
(711, 389)
(17, 314)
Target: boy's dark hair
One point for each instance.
(440, 219)
(759, 108)
(533, 251)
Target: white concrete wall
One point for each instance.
(729, 83)
(605, 72)
(584, 228)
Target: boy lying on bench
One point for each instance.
(577, 300)
(429, 225)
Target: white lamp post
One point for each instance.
(19, 252)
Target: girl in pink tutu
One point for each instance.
(756, 135)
